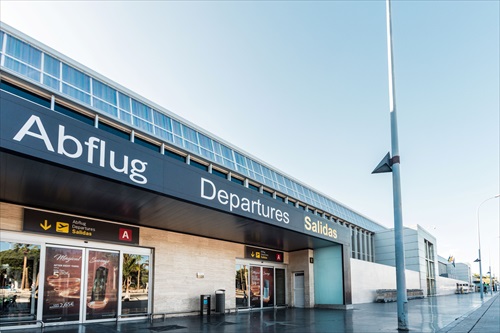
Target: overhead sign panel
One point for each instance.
(37, 132)
(75, 227)
(263, 254)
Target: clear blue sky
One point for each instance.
(303, 86)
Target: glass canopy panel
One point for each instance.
(51, 82)
(126, 117)
(176, 128)
(205, 142)
(24, 52)
(208, 154)
(164, 134)
(75, 78)
(22, 69)
(145, 125)
(189, 134)
(124, 102)
(51, 66)
(104, 92)
(106, 107)
(76, 93)
(140, 110)
(162, 120)
(191, 147)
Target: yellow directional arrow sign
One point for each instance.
(46, 226)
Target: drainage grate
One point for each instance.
(165, 328)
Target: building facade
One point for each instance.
(114, 208)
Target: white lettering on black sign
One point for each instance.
(71, 147)
(210, 192)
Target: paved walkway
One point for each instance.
(443, 314)
(486, 319)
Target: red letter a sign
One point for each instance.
(125, 235)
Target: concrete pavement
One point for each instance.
(442, 314)
(486, 319)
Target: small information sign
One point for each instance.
(263, 254)
(71, 226)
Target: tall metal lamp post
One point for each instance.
(479, 242)
(389, 164)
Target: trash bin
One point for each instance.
(220, 301)
(205, 305)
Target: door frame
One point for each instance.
(258, 263)
(43, 241)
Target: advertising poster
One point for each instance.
(268, 286)
(255, 286)
(63, 269)
(102, 285)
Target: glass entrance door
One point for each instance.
(102, 284)
(80, 284)
(259, 287)
(19, 269)
(242, 286)
(62, 284)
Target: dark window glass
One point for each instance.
(236, 180)
(280, 198)
(302, 207)
(253, 187)
(115, 131)
(24, 94)
(175, 156)
(267, 193)
(73, 114)
(219, 173)
(198, 165)
(291, 203)
(146, 144)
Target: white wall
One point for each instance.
(446, 286)
(367, 277)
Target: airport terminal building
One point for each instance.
(115, 208)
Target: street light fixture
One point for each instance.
(479, 242)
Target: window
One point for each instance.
(76, 84)
(19, 267)
(430, 268)
(141, 116)
(146, 144)
(282, 199)
(237, 180)
(175, 156)
(73, 114)
(198, 165)
(23, 58)
(253, 187)
(24, 94)
(219, 173)
(114, 131)
(267, 193)
(105, 97)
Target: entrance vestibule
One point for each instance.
(49, 279)
(260, 287)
